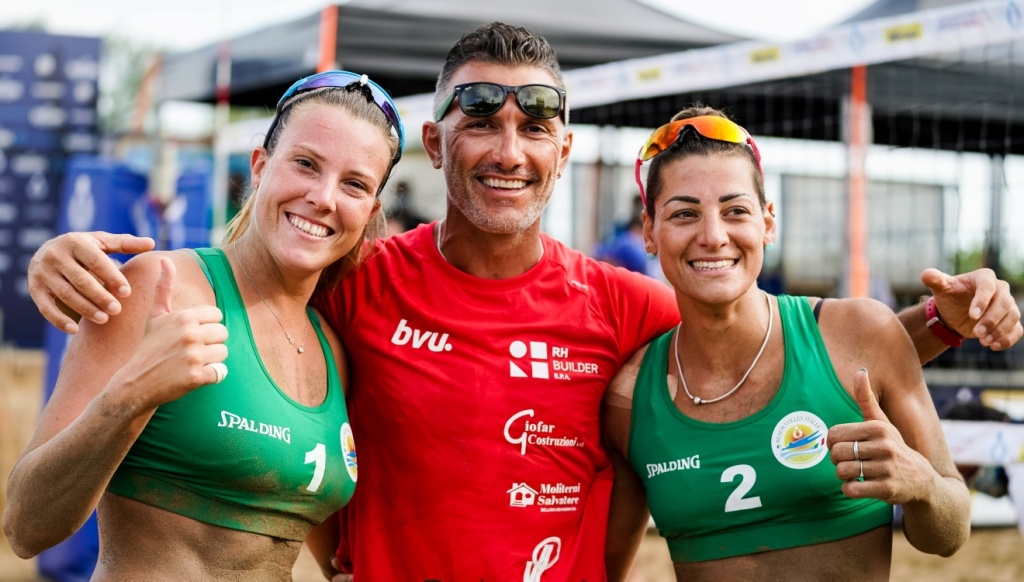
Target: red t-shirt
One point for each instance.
(475, 405)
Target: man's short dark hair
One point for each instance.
(501, 44)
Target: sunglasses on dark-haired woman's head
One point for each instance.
(708, 126)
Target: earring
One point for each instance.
(652, 256)
(769, 247)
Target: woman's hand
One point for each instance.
(180, 350)
(872, 457)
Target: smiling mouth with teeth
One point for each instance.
(712, 265)
(505, 184)
(308, 227)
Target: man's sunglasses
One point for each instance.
(344, 79)
(709, 126)
(482, 99)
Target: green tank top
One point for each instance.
(242, 454)
(762, 483)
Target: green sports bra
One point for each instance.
(242, 454)
(762, 483)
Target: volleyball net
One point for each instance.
(936, 180)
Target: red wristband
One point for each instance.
(946, 334)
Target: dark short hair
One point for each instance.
(501, 44)
(692, 144)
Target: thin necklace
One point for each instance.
(301, 347)
(440, 233)
(679, 367)
(440, 226)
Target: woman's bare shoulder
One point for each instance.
(620, 390)
(191, 285)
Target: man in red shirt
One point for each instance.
(481, 348)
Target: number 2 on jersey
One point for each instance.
(319, 456)
(737, 501)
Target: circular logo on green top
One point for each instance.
(798, 440)
(348, 451)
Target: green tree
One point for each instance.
(123, 67)
(965, 260)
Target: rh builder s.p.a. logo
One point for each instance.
(532, 359)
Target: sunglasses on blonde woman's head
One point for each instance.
(482, 99)
(344, 79)
(708, 126)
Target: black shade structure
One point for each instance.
(967, 101)
(402, 45)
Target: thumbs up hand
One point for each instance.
(180, 350)
(976, 305)
(872, 457)
(865, 397)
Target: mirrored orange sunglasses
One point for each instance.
(709, 126)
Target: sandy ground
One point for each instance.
(991, 555)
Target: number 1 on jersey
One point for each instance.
(319, 456)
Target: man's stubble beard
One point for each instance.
(460, 189)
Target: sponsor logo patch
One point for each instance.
(655, 469)
(548, 497)
(545, 554)
(409, 336)
(798, 440)
(348, 451)
(520, 430)
(532, 359)
(232, 420)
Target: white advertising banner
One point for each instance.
(984, 443)
(919, 34)
(895, 38)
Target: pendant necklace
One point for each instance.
(302, 346)
(679, 367)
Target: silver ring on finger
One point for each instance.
(861, 476)
(856, 450)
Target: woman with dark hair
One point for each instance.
(724, 426)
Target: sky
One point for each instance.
(188, 24)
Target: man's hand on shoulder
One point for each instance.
(976, 305)
(70, 276)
